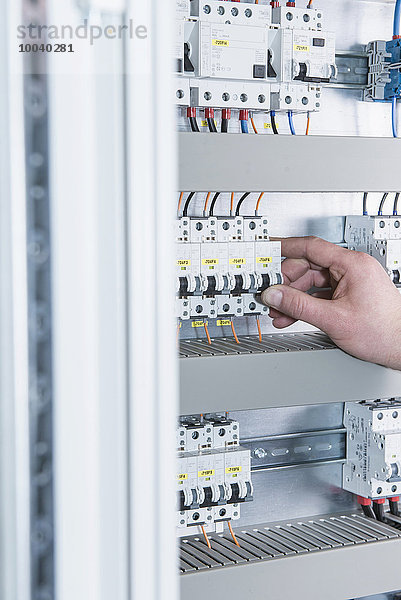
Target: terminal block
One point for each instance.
(373, 461)
(384, 75)
(214, 473)
(235, 13)
(378, 236)
(223, 264)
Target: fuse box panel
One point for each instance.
(373, 464)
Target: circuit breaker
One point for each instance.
(214, 474)
(232, 52)
(222, 265)
(379, 236)
(373, 462)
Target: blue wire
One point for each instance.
(394, 116)
(397, 15)
(244, 127)
(291, 122)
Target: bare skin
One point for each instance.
(361, 312)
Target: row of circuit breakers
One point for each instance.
(214, 471)
(223, 263)
(235, 55)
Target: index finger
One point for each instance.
(317, 251)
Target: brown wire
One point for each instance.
(259, 201)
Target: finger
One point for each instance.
(301, 306)
(283, 321)
(317, 251)
(318, 279)
(294, 268)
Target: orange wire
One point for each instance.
(233, 534)
(310, 4)
(307, 125)
(232, 202)
(207, 201)
(259, 329)
(209, 341)
(180, 200)
(234, 334)
(253, 125)
(178, 332)
(259, 201)
(206, 538)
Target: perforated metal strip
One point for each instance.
(288, 342)
(278, 540)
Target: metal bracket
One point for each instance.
(352, 70)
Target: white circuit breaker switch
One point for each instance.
(178, 50)
(373, 455)
(230, 51)
(188, 259)
(200, 230)
(236, 13)
(267, 257)
(214, 258)
(378, 236)
(304, 56)
(297, 18)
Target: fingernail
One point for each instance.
(272, 297)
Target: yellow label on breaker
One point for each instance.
(198, 323)
(206, 473)
(267, 125)
(183, 263)
(204, 123)
(233, 469)
(182, 476)
(264, 259)
(225, 43)
(223, 322)
(210, 261)
(301, 48)
(237, 261)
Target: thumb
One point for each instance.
(299, 305)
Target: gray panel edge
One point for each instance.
(317, 163)
(226, 383)
(340, 574)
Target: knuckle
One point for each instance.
(296, 306)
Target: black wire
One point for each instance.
(382, 202)
(185, 211)
(194, 124)
(395, 207)
(212, 125)
(393, 507)
(368, 512)
(224, 125)
(273, 122)
(243, 197)
(213, 203)
(378, 509)
(365, 201)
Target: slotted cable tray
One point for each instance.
(249, 344)
(275, 541)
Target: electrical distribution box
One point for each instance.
(373, 463)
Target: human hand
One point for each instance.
(361, 312)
